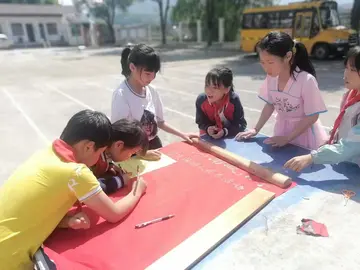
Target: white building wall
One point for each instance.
(35, 15)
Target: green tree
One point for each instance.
(208, 11)
(163, 12)
(105, 10)
(355, 15)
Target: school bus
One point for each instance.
(316, 24)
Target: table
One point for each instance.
(314, 179)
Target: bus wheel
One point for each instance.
(321, 51)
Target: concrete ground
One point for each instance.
(41, 89)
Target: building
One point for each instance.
(31, 25)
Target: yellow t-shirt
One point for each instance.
(34, 200)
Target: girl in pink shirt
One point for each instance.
(290, 89)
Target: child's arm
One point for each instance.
(264, 117)
(170, 129)
(115, 212)
(238, 124)
(201, 119)
(302, 126)
(344, 150)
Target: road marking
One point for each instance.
(55, 89)
(26, 116)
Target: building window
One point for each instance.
(75, 30)
(52, 28)
(17, 29)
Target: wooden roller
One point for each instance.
(275, 178)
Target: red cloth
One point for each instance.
(196, 189)
(311, 227)
(351, 98)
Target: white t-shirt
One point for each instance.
(148, 108)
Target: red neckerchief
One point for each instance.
(219, 107)
(66, 153)
(101, 166)
(351, 98)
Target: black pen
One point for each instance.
(141, 225)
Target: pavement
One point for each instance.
(40, 89)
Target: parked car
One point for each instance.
(5, 42)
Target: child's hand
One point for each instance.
(212, 130)
(79, 221)
(218, 135)
(140, 186)
(188, 136)
(299, 163)
(277, 141)
(246, 134)
(152, 155)
(126, 177)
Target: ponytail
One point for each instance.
(125, 62)
(301, 60)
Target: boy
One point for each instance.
(128, 139)
(38, 195)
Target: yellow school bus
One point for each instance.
(316, 24)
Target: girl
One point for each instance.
(291, 89)
(128, 138)
(136, 99)
(345, 136)
(219, 112)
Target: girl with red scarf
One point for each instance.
(344, 142)
(219, 112)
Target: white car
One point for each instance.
(5, 42)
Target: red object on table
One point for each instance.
(196, 189)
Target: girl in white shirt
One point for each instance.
(136, 99)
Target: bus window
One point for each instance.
(329, 15)
(306, 26)
(286, 19)
(315, 29)
(298, 26)
(247, 21)
(260, 21)
(274, 20)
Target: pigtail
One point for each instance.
(125, 62)
(301, 59)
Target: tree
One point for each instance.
(163, 12)
(211, 10)
(105, 10)
(355, 15)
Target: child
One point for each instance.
(39, 194)
(136, 99)
(291, 89)
(344, 143)
(219, 112)
(128, 139)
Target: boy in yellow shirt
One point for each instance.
(40, 192)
